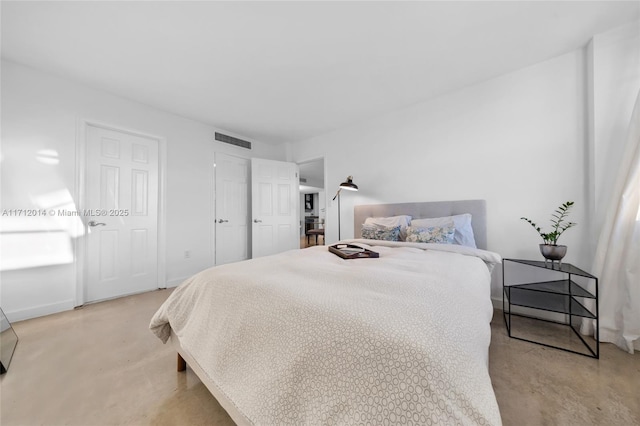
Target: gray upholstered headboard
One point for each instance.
(477, 208)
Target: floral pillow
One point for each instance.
(462, 222)
(371, 231)
(403, 221)
(431, 234)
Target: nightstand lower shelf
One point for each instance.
(549, 333)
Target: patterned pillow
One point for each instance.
(402, 220)
(462, 222)
(431, 234)
(371, 231)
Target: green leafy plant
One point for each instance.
(558, 222)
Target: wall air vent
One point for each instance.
(233, 141)
(303, 180)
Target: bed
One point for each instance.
(305, 337)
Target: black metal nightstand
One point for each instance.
(562, 296)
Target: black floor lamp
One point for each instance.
(349, 186)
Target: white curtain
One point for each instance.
(617, 259)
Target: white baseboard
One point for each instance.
(40, 311)
(176, 282)
(497, 303)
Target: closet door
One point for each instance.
(232, 236)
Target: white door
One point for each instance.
(232, 209)
(275, 190)
(122, 214)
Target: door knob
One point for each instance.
(222, 221)
(94, 223)
(257, 221)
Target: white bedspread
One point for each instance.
(305, 337)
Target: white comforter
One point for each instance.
(305, 337)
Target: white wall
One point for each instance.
(40, 111)
(517, 141)
(524, 142)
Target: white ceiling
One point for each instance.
(287, 71)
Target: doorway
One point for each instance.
(313, 201)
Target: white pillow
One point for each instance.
(462, 222)
(391, 222)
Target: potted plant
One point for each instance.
(550, 248)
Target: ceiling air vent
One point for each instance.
(233, 141)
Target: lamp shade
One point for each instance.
(349, 185)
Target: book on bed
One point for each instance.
(350, 251)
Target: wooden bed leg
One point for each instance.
(182, 364)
